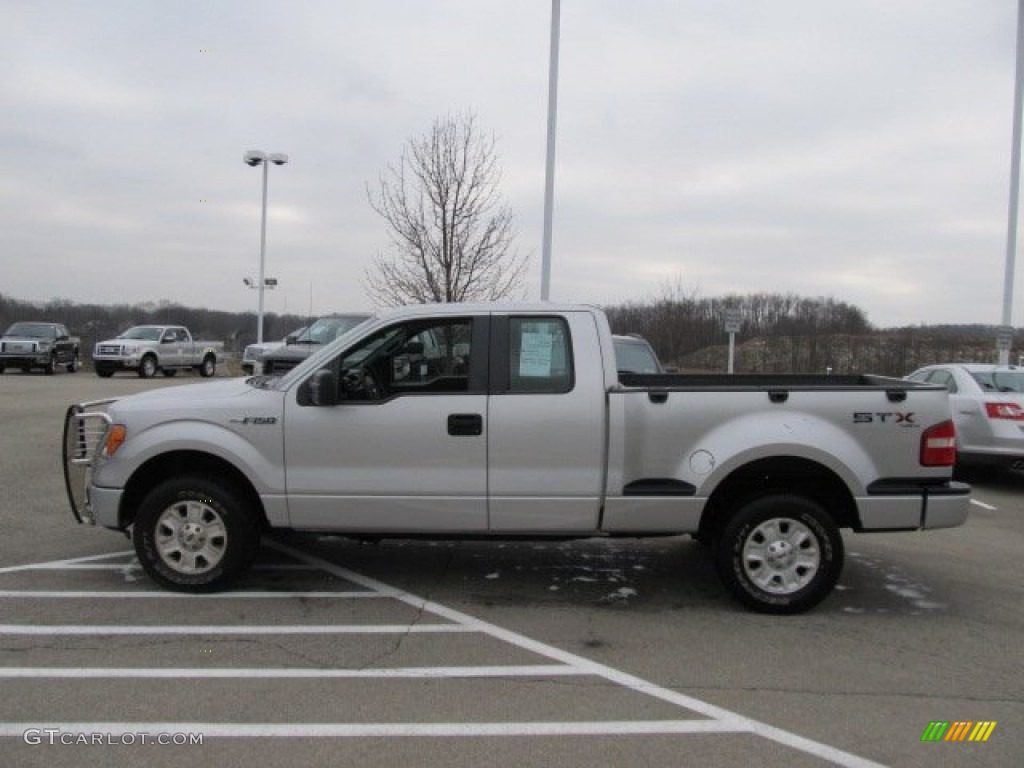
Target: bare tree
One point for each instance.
(451, 237)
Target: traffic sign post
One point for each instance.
(733, 323)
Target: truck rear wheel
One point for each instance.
(193, 534)
(780, 554)
(147, 367)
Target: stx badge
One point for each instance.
(886, 417)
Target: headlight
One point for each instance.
(42, 346)
(130, 349)
(113, 439)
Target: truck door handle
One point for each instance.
(471, 424)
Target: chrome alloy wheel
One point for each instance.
(781, 556)
(191, 537)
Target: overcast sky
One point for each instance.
(857, 149)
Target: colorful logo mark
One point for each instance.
(958, 730)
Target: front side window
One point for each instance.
(419, 357)
(540, 357)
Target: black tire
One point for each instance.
(169, 372)
(2, 369)
(194, 534)
(147, 367)
(208, 367)
(780, 554)
(104, 373)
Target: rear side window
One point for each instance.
(1000, 381)
(945, 378)
(540, 355)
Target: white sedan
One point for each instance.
(988, 410)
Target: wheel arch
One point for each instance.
(779, 474)
(183, 462)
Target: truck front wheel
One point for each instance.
(780, 554)
(208, 367)
(192, 534)
(147, 367)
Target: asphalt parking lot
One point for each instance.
(588, 653)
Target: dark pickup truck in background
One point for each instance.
(286, 356)
(28, 345)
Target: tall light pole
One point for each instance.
(549, 174)
(255, 157)
(1005, 337)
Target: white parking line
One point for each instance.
(59, 563)
(13, 594)
(48, 630)
(104, 673)
(983, 505)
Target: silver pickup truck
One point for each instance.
(147, 349)
(512, 421)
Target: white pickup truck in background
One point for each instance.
(512, 421)
(147, 349)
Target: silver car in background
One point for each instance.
(988, 410)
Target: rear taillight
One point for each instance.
(938, 445)
(1009, 411)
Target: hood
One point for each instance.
(294, 351)
(190, 398)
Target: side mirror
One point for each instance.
(323, 388)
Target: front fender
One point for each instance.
(259, 459)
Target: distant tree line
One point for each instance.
(786, 333)
(96, 322)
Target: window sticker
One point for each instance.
(535, 354)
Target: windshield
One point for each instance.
(1000, 381)
(327, 329)
(32, 330)
(144, 332)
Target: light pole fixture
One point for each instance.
(255, 157)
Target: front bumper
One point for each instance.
(115, 363)
(22, 360)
